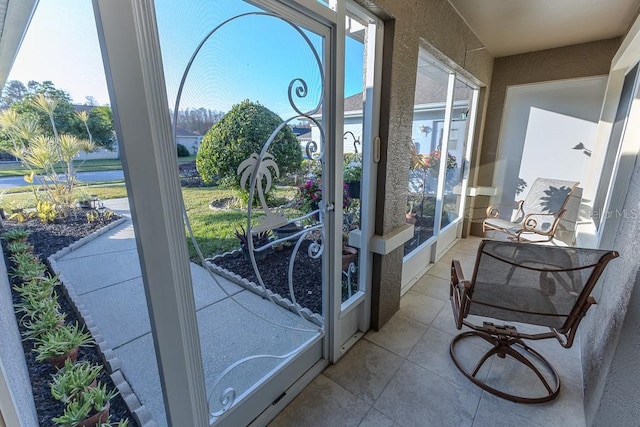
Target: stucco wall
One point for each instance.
(619, 405)
(12, 363)
(409, 24)
(603, 324)
(582, 60)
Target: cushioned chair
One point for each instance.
(526, 283)
(538, 215)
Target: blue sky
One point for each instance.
(251, 58)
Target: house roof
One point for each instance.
(430, 89)
(15, 16)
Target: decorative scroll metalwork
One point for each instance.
(255, 172)
(352, 269)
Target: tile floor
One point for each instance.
(403, 375)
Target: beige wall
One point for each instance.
(409, 24)
(583, 60)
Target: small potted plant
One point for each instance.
(259, 239)
(410, 216)
(349, 254)
(69, 382)
(41, 317)
(352, 177)
(60, 344)
(90, 408)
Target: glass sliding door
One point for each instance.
(439, 153)
(428, 118)
(247, 78)
(456, 154)
(363, 45)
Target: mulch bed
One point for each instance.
(47, 239)
(274, 269)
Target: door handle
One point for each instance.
(376, 149)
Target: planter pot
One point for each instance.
(410, 218)
(58, 361)
(286, 230)
(349, 255)
(354, 189)
(259, 256)
(96, 419)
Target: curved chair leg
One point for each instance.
(502, 346)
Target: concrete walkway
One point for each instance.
(105, 274)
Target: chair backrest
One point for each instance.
(547, 196)
(529, 283)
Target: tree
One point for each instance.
(100, 125)
(63, 114)
(242, 132)
(14, 91)
(21, 99)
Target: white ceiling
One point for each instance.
(509, 27)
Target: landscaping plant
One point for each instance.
(69, 382)
(27, 267)
(90, 401)
(242, 132)
(16, 234)
(39, 319)
(19, 247)
(40, 152)
(61, 341)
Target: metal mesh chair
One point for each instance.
(526, 283)
(537, 215)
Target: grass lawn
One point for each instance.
(214, 230)
(16, 168)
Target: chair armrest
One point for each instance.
(493, 211)
(529, 222)
(457, 294)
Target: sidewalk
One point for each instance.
(106, 276)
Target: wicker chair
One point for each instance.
(537, 216)
(526, 283)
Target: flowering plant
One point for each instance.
(311, 194)
(431, 161)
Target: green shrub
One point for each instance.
(183, 151)
(241, 132)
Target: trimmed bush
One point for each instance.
(182, 151)
(241, 132)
